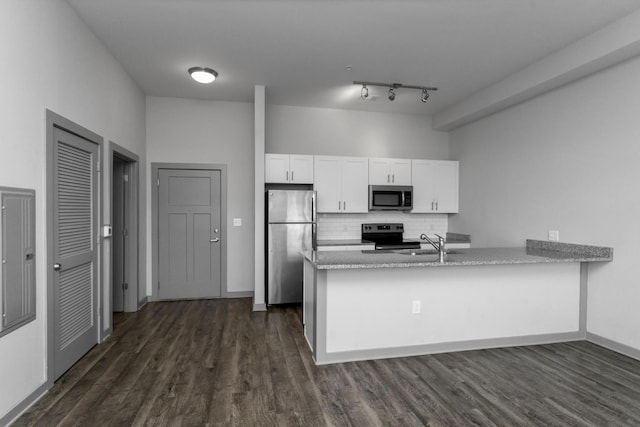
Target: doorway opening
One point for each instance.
(125, 230)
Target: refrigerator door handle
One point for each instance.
(313, 206)
(314, 236)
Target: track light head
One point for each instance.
(392, 93)
(425, 95)
(364, 92)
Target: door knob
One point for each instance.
(214, 240)
(57, 266)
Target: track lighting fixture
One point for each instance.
(425, 95)
(392, 94)
(364, 92)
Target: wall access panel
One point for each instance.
(17, 270)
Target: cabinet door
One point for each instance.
(400, 171)
(379, 172)
(422, 181)
(301, 169)
(445, 179)
(327, 172)
(276, 168)
(384, 171)
(355, 182)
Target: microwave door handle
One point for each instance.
(402, 198)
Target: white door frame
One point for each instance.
(155, 167)
(56, 121)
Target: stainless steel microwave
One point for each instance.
(390, 197)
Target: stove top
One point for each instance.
(387, 236)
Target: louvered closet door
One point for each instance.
(75, 233)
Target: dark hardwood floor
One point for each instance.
(217, 363)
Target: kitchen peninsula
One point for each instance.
(361, 305)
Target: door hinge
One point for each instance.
(125, 286)
(125, 232)
(125, 177)
(98, 166)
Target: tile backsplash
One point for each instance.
(347, 226)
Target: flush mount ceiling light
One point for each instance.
(202, 74)
(364, 93)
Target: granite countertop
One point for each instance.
(535, 252)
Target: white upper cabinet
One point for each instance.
(435, 186)
(341, 184)
(389, 171)
(288, 168)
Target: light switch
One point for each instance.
(237, 222)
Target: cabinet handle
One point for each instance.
(338, 204)
(344, 206)
(292, 176)
(393, 178)
(57, 266)
(432, 206)
(436, 205)
(388, 179)
(287, 175)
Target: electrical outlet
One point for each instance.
(554, 235)
(415, 307)
(237, 222)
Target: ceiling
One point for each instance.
(300, 49)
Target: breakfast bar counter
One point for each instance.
(535, 252)
(361, 305)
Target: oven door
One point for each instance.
(390, 197)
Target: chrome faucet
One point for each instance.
(439, 246)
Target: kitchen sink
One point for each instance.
(414, 252)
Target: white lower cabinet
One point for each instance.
(341, 184)
(435, 186)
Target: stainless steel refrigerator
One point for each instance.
(291, 229)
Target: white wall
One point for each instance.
(192, 131)
(303, 130)
(51, 61)
(568, 161)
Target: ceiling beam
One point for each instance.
(611, 45)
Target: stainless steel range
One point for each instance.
(387, 236)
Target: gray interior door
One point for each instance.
(118, 222)
(189, 254)
(75, 232)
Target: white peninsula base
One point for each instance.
(368, 313)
